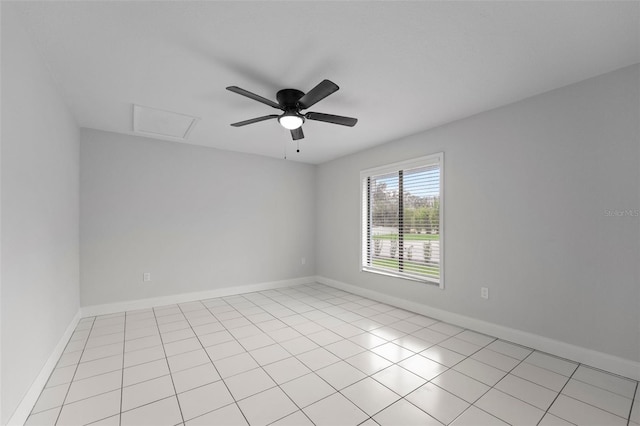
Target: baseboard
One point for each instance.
(600, 360)
(19, 416)
(130, 305)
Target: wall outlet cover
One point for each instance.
(484, 292)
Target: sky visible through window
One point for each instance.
(429, 174)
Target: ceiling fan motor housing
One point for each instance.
(288, 98)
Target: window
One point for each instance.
(402, 208)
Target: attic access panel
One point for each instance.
(160, 123)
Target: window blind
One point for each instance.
(402, 219)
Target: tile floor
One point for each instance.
(310, 355)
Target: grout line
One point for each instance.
(124, 345)
(311, 371)
(214, 366)
(430, 381)
(74, 372)
(147, 403)
(315, 371)
(633, 400)
(607, 373)
(169, 368)
(278, 385)
(369, 417)
(560, 393)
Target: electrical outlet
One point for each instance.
(146, 276)
(303, 260)
(484, 292)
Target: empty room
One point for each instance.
(320, 213)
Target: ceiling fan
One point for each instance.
(292, 101)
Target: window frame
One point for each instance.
(437, 158)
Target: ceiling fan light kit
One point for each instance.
(292, 101)
(291, 120)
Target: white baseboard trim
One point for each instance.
(130, 305)
(19, 416)
(600, 360)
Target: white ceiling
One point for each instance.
(402, 67)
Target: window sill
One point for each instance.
(402, 276)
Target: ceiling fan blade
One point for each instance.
(318, 93)
(254, 120)
(239, 91)
(330, 118)
(297, 134)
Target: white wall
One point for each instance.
(526, 189)
(197, 218)
(39, 243)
